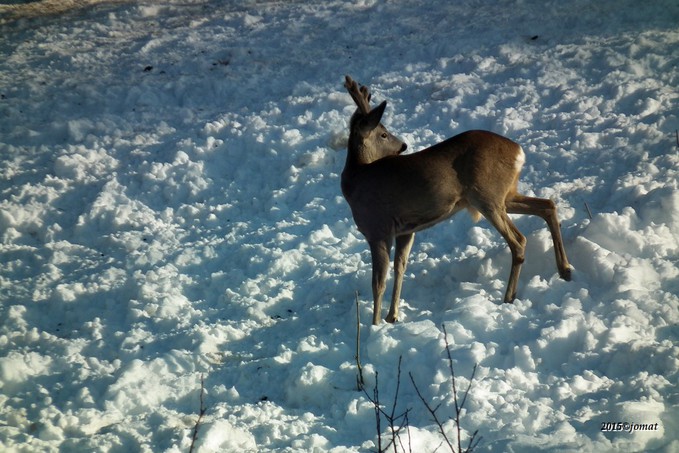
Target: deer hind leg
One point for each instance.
(403, 245)
(498, 217)
(379, 251)
(546, 209)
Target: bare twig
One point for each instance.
(391, 418)
(201, 414)
(432, 411)
(376, 402)
(589, 213)
(407, 423)
(459, 405)
(458, 408)
(401, 419)
(359, 378)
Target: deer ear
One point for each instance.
(372, 119)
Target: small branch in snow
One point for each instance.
(396, 422)
(589, 213)
(392, 417)
(458, 408)
(201, 414)
(459, 405)
(359, 378)
(432, 412)
(376, 403)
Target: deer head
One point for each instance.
(369, 140)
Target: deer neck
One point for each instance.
(359, 153)
(357, 157)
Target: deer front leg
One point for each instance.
(379, 251)
(403, 246)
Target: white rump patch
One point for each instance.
(520, 160)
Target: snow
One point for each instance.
(170, 211)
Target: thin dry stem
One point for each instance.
(201, 414)
(432, 411)
(391, 418)
(360, 384)
(589, 213)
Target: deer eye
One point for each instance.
(385, 135)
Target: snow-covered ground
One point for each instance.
(170, 210)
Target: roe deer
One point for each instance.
(393, 196)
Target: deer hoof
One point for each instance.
(566, 274)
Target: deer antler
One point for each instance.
(361, 96)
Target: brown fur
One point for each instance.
(392, 196)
